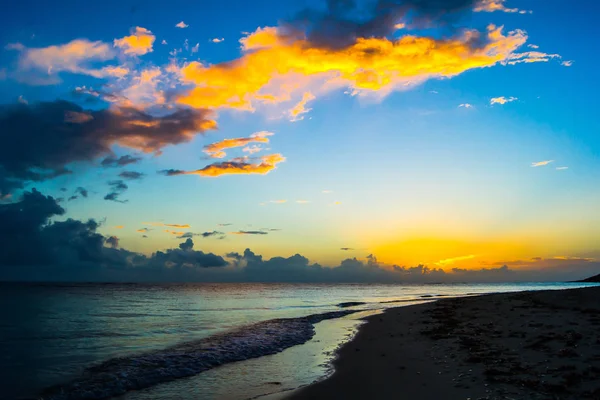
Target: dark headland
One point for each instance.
(528, 345)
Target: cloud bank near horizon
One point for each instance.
(38, 248)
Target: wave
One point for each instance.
(120, 375)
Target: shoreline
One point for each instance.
(524, 345)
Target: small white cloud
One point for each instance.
(217, 40)
(433, 92)
(465, 105)
(22, 100)
(400, 26)
(163, 42)
(533, 46)
(278, 201)
(561, 168)
(502, 100)
(567, 63)
(327, 191)
(195, 48)
(181, 25)
(541, 163)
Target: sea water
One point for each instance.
(188, 341)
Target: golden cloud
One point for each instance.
(502, 100)
(276, 67)
(215, 150)
(541, 163)
(237, 166)
(138, 43)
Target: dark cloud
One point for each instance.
(72, 198)
(203, 234)
(122, 161)
(342, 22)
(171, 172)
(113, 242)
(187, 245)
(82, 191)
(118, 187)
(250, 233)
(131, 175)
(346, 248)
(228, 224)
(40, 140)
(35, 247)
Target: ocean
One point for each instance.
(188, 341)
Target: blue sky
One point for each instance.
(424, 169)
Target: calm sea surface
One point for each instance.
(52, 334)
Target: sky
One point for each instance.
(314, 140)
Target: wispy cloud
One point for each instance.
(496, 5)
(249, 233)
(180, 226)
(181, 25)
(567, 63)
(118, 187)
(278, 201)
(74, 57)
(465, 105)
(297, 112)
(327, 191)
(561, 168)
(217, 40)
(265, 165)
(215, 150)
(502, 100)
(541, 163)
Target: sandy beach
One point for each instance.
(528, 345)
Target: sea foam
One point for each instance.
(120, 375)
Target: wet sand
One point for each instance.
(528, 345)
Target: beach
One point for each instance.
(528, 345)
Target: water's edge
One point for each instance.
(120, 375)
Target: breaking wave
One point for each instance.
(120, 375)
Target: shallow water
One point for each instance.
(49, 334)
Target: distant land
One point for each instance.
(595, 278)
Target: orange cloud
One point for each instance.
(119, 227)
(138, 43)
(277, 68)
(215, 150)
(237, 166)
(449, 261)
(174, 232)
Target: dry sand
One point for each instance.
(529, 345)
